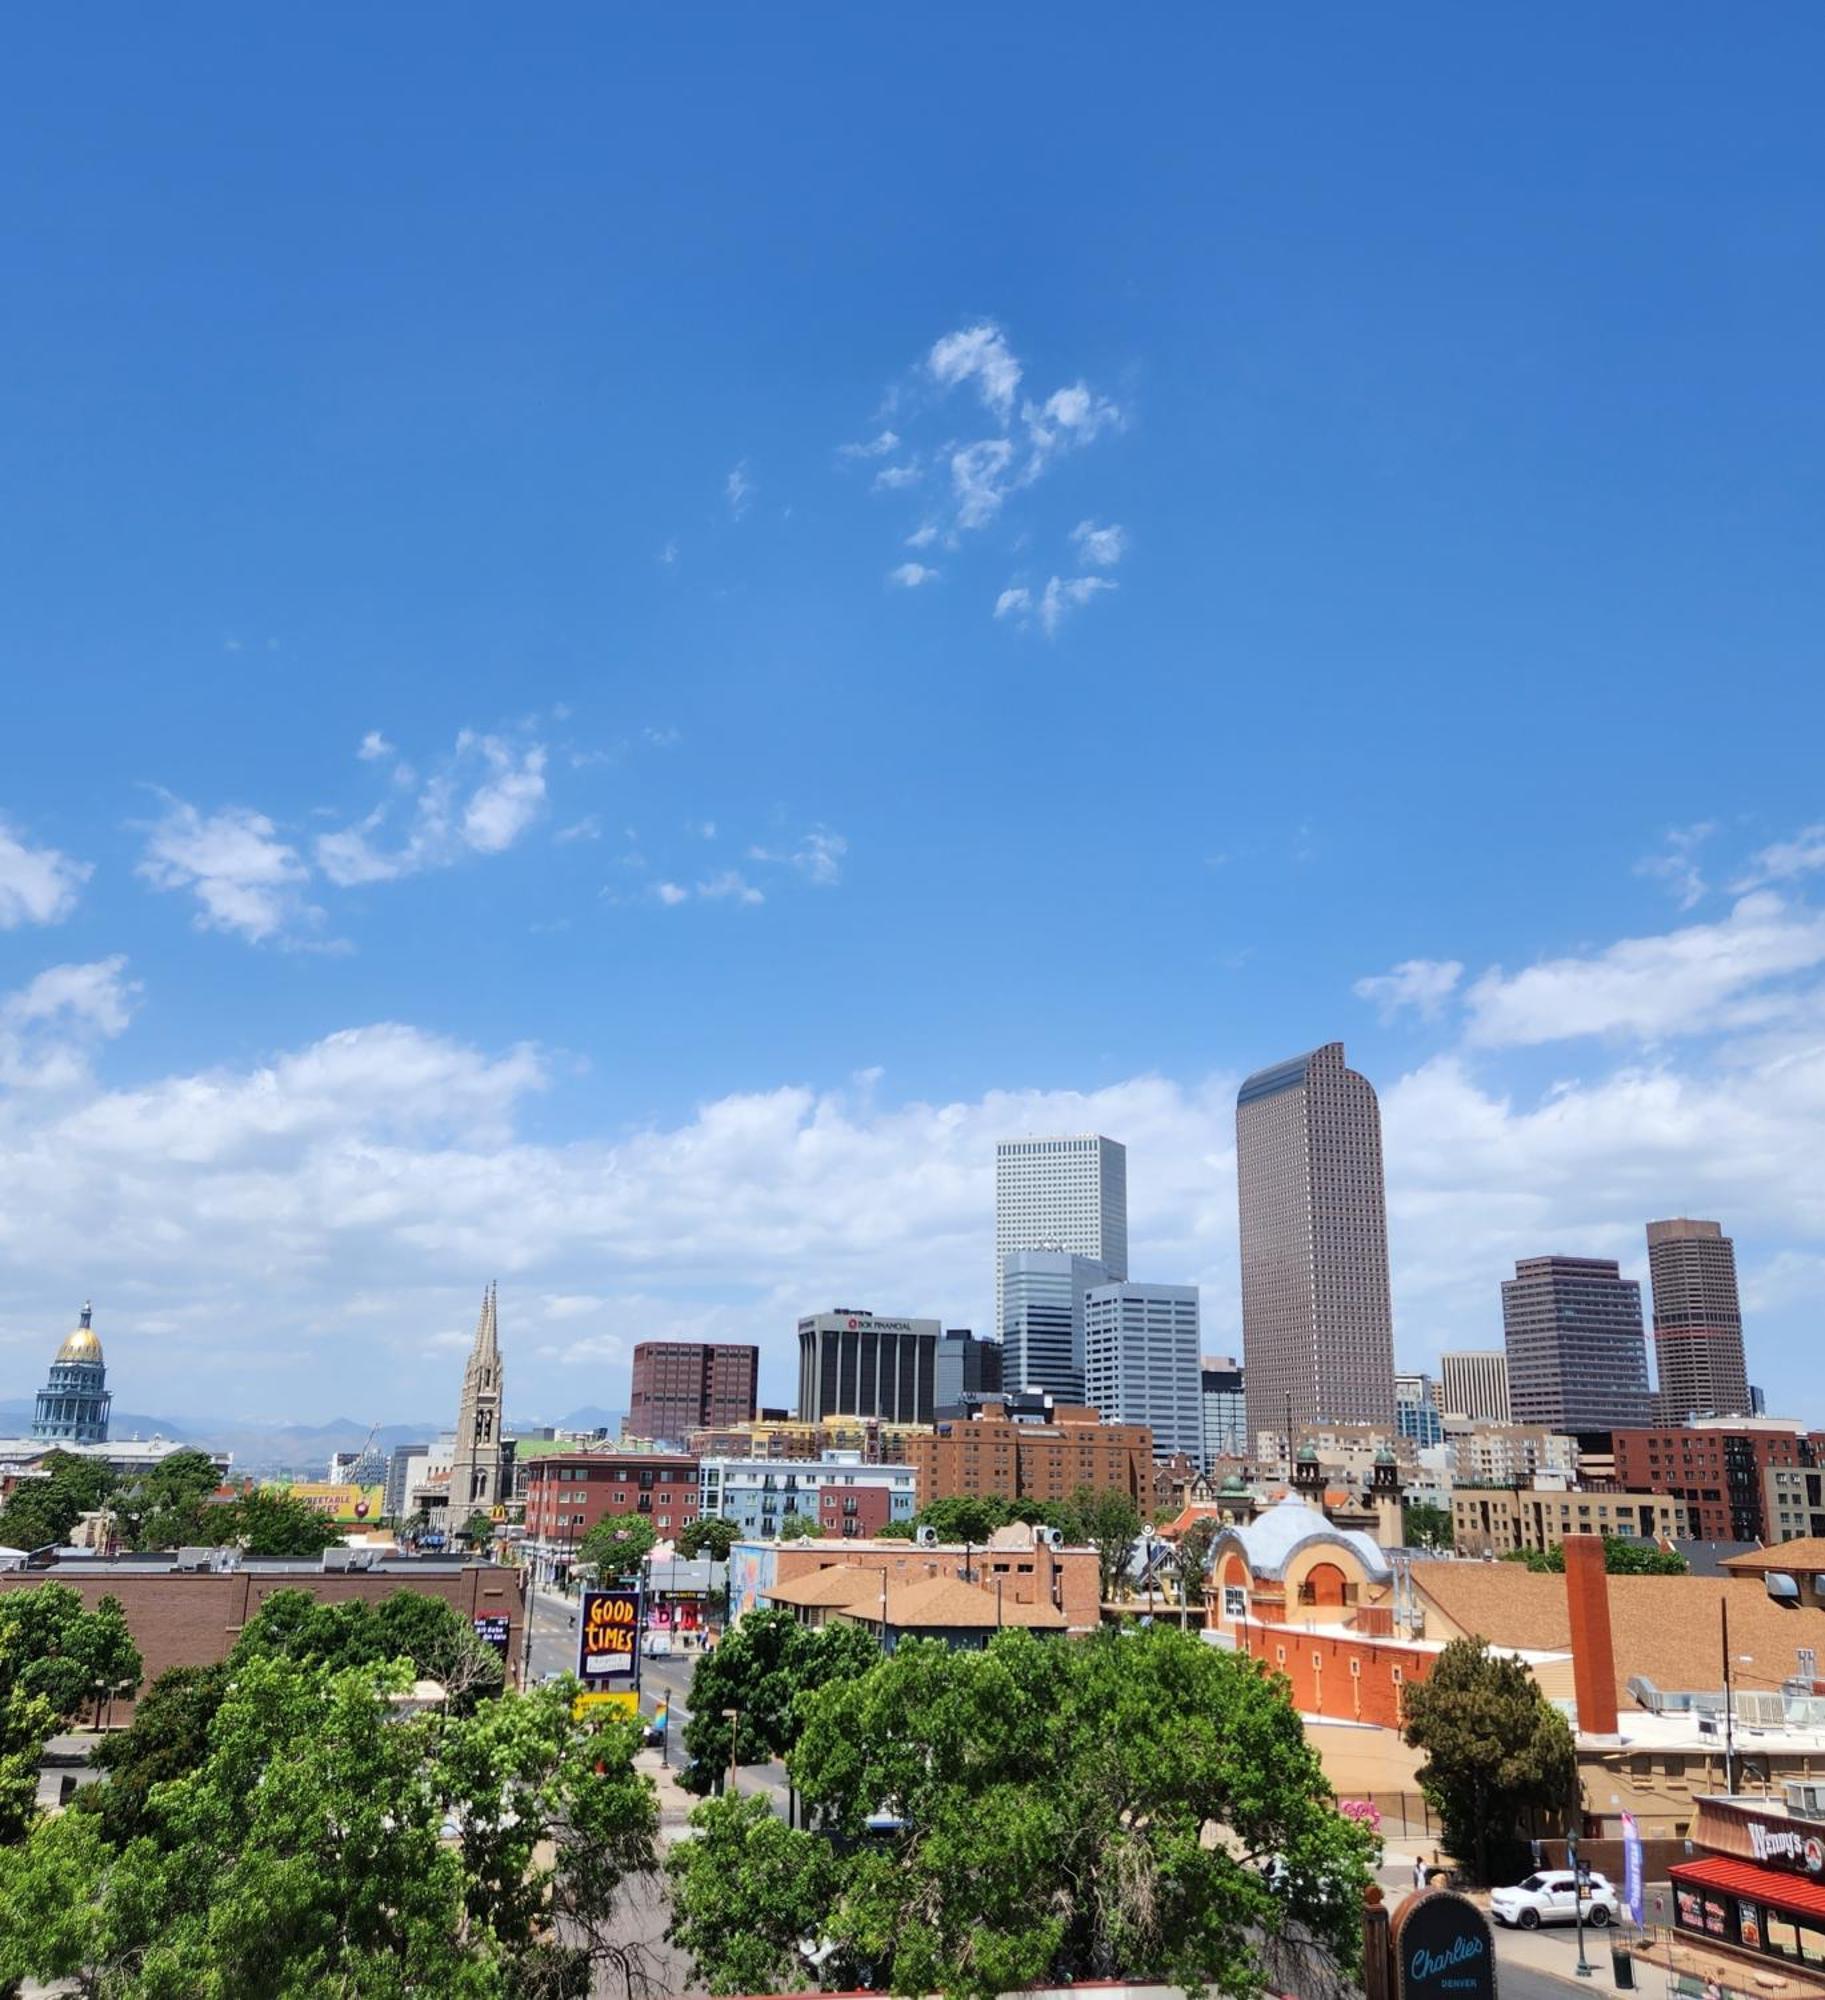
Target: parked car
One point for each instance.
(1551, 1897)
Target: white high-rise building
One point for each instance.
(1061, 1194)
(1042, 1345)
(1473, 1382)
(1141, 1362)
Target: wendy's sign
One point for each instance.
(1443, 1948)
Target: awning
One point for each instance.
(1797, 1895)
(1780, 1584)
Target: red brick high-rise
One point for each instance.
(681, 1386)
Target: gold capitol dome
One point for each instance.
(80, 1344)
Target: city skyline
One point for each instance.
(518, 708)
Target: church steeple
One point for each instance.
(477, 1469)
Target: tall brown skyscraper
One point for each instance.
(1698, 1321)
(1317, 1318)
(680, 1386)
(1577, 1357)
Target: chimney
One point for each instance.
(1587, 1600)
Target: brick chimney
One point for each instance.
(1587, 1600)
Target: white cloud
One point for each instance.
(979, 480)
(1060, 598)
(50, 1025)
(589, 827)
(1677, 863)
(818, 856)
(731, 886)
(671, 894)
(978, 354)
(1705, 977)
(891, 478)
(879, 446)
(1804, 854)
(480, 801)
(922, 538)
(1099, 548)
(910, 575)
(38, 885)
(374, 746)
(669, 553)
(246, 880)
(1424, 984)
(738, 490)
(1070, 417)
(704, 829)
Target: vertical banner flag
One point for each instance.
(1631, 1868)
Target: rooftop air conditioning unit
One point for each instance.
(1048, 1538)
(193, 1558)
(1761, 1711)
(927, 1538)
(1805, 1798)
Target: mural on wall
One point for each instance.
(751, 1568)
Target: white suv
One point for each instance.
(1550, 1897)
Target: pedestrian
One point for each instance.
(1419, 1871)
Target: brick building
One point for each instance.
(874, 1442)
(1029, 1570)
(991, 1452)
(1499, 1520)
(569, 1492)
(1717, 1469)
(680, 1386)
(192, 1618)
(842, 1493)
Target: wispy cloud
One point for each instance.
(374, 746)
(671, 894)
(38, 885)
(480, 801)
(1804, 854)
(978, 354)
(910, 575)
(589, 827)
(738, 490)
(882, 445)
(1424, 984)
(818, 856)
(1099, 548)
(669, 553)
(1677, 863)
(1061, 597)
(246, 880)
(731, 885)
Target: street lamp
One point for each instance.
(732, 1716)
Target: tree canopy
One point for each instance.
(1497, 1753)
(617, 1545)
(800, 1528)
(43, 1511)
(1423, 1526)
(1105, 1808)
(327, 1844)
(708, 1536)
(762, 1667)
(1621, 1557)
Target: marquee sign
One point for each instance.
(1443, 1948)
(608, 1629)
(1786, 1847)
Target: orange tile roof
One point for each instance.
(1805, 1553)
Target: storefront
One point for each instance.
(1760, 1887)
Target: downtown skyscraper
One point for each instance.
(1577, 1357)
(1317, 1314)
(1060, 1194)
(1698, 1321)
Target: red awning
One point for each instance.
(1798, 1895)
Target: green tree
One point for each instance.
(964, 1517)
(478, 1530)
(1103, 1809)
(327, 1845)
(1111, 1524)
(800, 1528)
(897, 1531)
(618, 1544)
(1423, 1526)
(56, 1648)
(764, 1664)
(1497, 1752)
(163, 1507)
(43, 1511)
(1191, 1559)
(431, 1636)
(753, 1890)
(169, 1739)
(1621, 1557)
(708, 1536)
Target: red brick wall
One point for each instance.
(1339, 1673)
(610, 1484)
(192, 1618)
(1028, 1576)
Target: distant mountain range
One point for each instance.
(303, 1450)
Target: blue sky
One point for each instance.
(626, 637)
